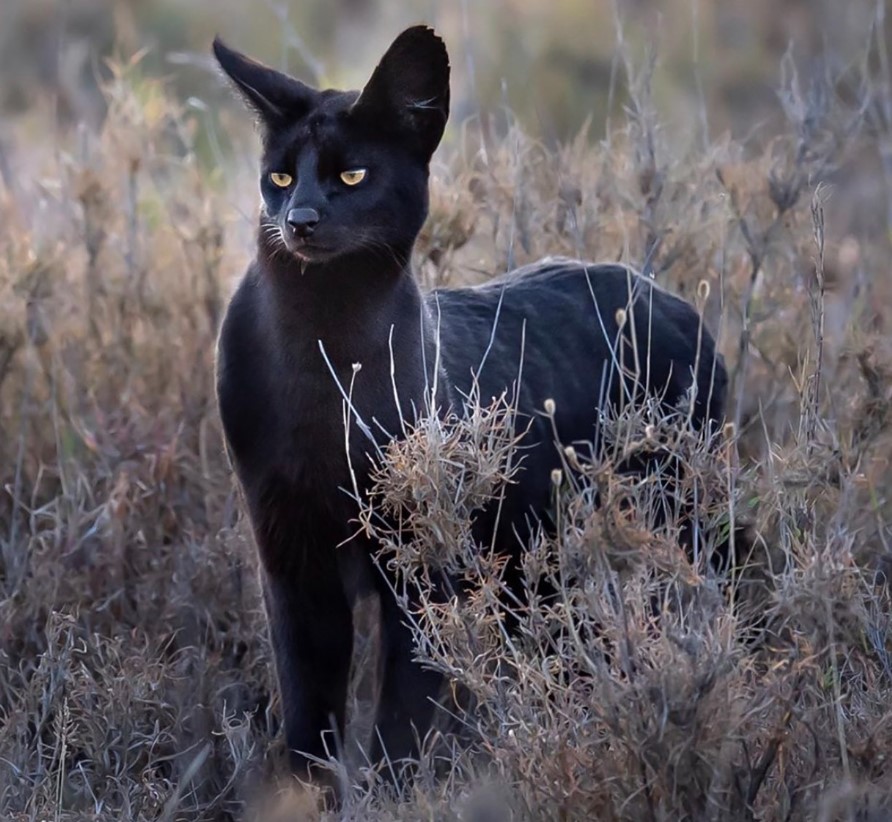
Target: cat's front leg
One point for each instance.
(311, 627)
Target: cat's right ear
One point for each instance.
(276, 97)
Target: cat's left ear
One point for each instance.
(409, 89)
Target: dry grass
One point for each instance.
(135, 678)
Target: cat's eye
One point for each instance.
(353, 177)
(280, 180)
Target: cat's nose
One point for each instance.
(303, 221)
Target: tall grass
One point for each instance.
(135, 669)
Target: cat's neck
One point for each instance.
(325, 318)
(349, 303)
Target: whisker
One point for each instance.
(273, 237)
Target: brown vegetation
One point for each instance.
(135, 678)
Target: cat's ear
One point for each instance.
(276, 97)
(409, 88)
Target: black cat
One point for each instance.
(344, 179)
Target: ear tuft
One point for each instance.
(275, 96)
(411, 83)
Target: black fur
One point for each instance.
(345, 294)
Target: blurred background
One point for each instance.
(698, 139)
(553, 63)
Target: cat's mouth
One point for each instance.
(308, 250)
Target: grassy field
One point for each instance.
(135, 670)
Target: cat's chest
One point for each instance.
(296, 420)
(292, 426)
(298, 398)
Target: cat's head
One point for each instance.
(345, 171)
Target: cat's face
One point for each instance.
(346, 172)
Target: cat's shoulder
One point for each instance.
(242, 369)
(242, 311)
(239, 341)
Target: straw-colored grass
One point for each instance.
(135, 670)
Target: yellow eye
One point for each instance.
(280, 180)
(353, 177)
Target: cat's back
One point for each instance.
(547, 288)
(552, 327)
